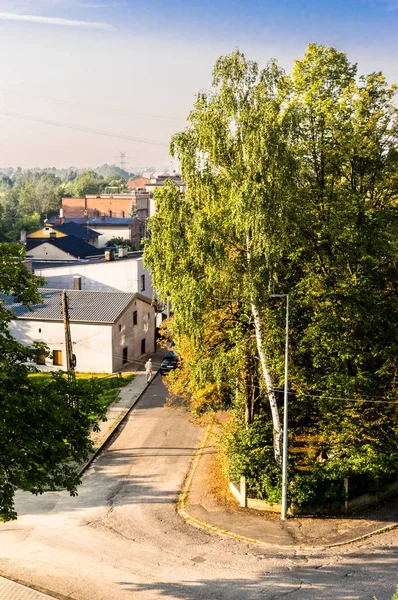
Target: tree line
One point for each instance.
(29, 197)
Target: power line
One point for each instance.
(322, 396)
(91, 107)
(15, 115)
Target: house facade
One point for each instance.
(66, 247)
(107, 228)
(125, 274)
(109, 330)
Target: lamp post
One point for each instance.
(285, 410)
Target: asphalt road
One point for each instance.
(121, 538)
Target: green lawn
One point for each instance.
(109, 384)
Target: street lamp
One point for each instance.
(285, 407)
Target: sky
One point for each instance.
(83, 80)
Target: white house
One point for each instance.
(124, 274)
(107, 228)
(109, 330)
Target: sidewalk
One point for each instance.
(200, 507)
(9, 590)
(127, 398)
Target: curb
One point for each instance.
(112, 429)
(40, 590)
(190, 520)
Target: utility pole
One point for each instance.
(70, 357)
(122, 160)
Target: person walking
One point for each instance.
(148, 370)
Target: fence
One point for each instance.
(349, 504)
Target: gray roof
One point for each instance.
(84, 306)
(40, 264)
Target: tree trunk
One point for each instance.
(278, 433)
(271, 396)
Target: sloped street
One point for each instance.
(121, 537)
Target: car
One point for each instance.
(169, 363)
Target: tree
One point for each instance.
(86, 182)
(291, 187)
(43, 434)
(235, 163)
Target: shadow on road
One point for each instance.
(354, 580)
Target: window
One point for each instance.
(120, 327)
(41, 359)
(142, 283)
(142, 346)
(57, 358)
(135, 319)
(125, 355)
(39, 330)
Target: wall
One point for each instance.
(73, 207)
(125, 334)
(118, 275)
(91, 343)
(120, 207)
(111, 231)
(49, 251)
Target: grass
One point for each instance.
(109, 384)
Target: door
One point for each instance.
(125, 355)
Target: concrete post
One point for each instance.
(243, 492)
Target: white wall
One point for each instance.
(118, 275)
(125, 334)
(92, 344)
(48, 251)
(111, 231)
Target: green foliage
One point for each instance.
(86, 182)
(44, 435)
(249, 453)
(292, 185)
(121, 243)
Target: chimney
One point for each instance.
(102, 216)
(61, 213)
(77, 282)
(109, 255)
(22, 237)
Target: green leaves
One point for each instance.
(43, 437)
(291, 187)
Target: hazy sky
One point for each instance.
(132, 68)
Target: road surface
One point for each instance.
(122, 539)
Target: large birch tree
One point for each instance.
(219, 244)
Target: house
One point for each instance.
(108, 227)
(140, 183)
(109, 330)
(160, 180)
(66, 247)
(123, 274)
(58, 228)
(101, 205)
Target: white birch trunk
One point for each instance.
(278, 433)
(271, 396)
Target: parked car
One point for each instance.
(169, 363)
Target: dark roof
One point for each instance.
(95, 220)
(39, 264)
(84, 306)
(77, 230)
(69, 243)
